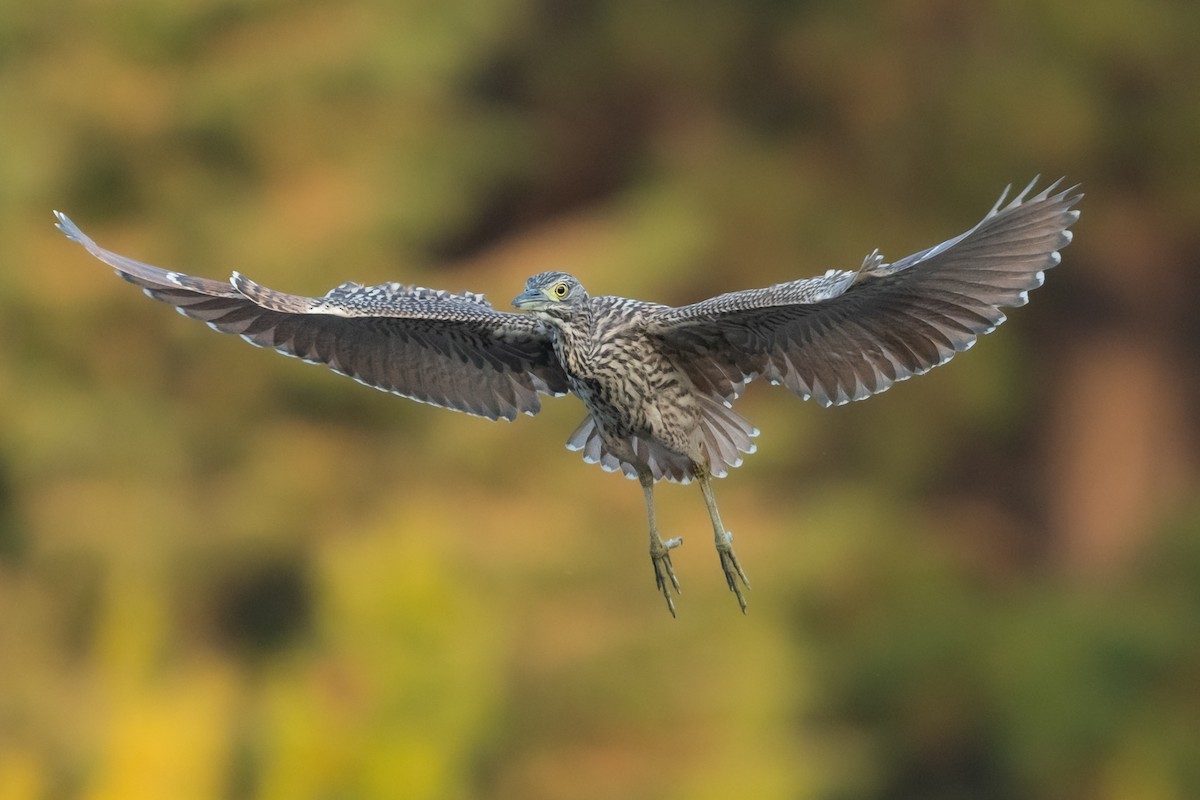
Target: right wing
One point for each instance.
(449, 350)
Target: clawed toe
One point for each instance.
(664, 573)
(735, 576)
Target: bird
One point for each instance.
(658, 382)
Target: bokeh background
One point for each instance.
(225, 574)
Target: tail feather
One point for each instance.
(724, 437)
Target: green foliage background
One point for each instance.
(227, 574)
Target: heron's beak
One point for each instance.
(530, 299)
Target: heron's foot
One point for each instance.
(735, 576)
(664, 573)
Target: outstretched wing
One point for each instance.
(450, 350)
(849, 334)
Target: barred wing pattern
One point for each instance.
(449, 350)
(847, 335)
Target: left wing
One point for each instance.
(847, 335)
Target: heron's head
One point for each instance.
(555, 294)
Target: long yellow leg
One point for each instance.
(724, 541)
(660, 551)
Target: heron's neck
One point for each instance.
(578, 320)
(572, 335)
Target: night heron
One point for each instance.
(658, 382)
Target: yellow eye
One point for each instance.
(559, 290)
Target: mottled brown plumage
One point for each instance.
(658, 382)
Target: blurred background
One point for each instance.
(226, 574)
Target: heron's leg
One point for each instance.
(724, 541)
(660, 551)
